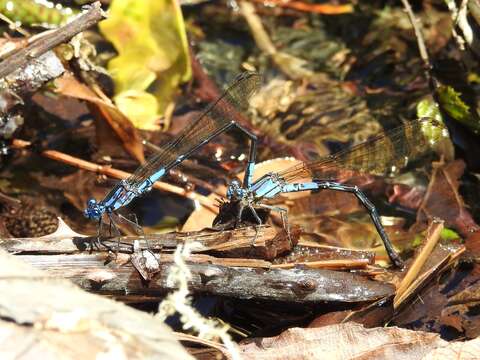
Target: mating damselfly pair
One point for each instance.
(388, 150)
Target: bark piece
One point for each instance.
(95, 273)
(265, 242)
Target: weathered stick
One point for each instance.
(51, 39)
(94, 273)
(433, 235)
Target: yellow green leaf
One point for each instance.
(449, 235)
(139, 106)
(453, 104)
(152, 47)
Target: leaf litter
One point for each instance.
(365, 76)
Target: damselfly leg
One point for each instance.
(133, 222)
(258, 220)
(95, 242)
(283, 216)
(116, 230)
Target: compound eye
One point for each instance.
(91, 203)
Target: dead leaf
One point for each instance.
(443, 200)
(68, 85)
(458, 350)
(344, 341)
(63, 230)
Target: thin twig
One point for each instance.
(335, 264)
(432, 82)
(14, 26)
(9, 200)
(290, 65)
(324, 9)
(196, 340)
(433, 235)
(56, 37)
(115, 173)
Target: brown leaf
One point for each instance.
(410, 197)
(456, 350)
(376, 314)
(326, 203)
(344, 341)
(68, 85)
(443, 200)
(472, 243)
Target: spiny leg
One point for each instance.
(117, 232)
(95, 243)
(134, 223)
(394, 257)
(258, 220)
(284, 216)
(238, 218)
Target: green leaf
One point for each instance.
(452, 103)
(449, 235)
(34, 12)
(151, 42)
(417, 241)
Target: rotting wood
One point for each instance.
(95, 273)
(245, 277)
(265, 242)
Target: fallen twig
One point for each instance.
(120, 279)
(450, 257)
(51, 39)
(115, 173)
(327, 264)
(422, 48)
(292, 66)
(324, 9)
(432, 237)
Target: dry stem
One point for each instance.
(51, 39)
(433, 235)
(115, 173)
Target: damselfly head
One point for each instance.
(234, 190)
(94, 210)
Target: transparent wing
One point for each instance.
(384, 154)
(233, 102)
